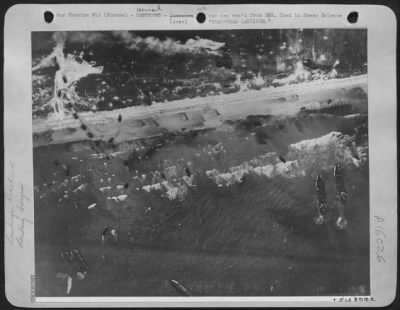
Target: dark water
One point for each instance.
(256, 238)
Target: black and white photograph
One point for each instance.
(201, 162)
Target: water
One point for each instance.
(256, 238)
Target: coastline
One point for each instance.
(197, 113)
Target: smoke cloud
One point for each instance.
(60, 37)
(168, 46)
(87, 37)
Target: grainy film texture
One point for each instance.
(201, 163)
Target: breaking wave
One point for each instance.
(306, 157)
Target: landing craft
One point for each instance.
(341, 192)
(341, 195)
(321, 200)
(180, 288)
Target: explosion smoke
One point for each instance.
(69, 72)
(169, 46)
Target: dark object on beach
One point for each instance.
(75, 115)
(185, 117)
(111, 140)
(119, 118)
(147, 97)
(83, 126)
(183, 291)
(309, 63)
(90, 135)
(126, 185)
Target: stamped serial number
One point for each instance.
(380, 235)
(354, 299)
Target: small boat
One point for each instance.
(341, 195)
(180, 288)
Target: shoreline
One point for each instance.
(197, 113)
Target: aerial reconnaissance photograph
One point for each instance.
(201, 163)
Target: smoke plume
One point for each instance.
(87, 37)
(167, 46)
